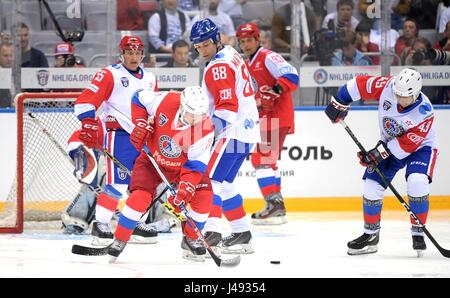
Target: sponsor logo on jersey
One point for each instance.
(425, 108)
(124, 81)
(225, 94)
(387, 105)
(42, 76)
(121, 174)
(416, 139)
(286, 69)
(162, 119)
(320, 76)
(168, 147)
(249, 123)
(392, 128)
(258, 66)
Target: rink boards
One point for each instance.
(320, 170)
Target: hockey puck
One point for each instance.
(275, 262)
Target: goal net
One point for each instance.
(44, 183)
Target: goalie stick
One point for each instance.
(443, 251)
(233, 262)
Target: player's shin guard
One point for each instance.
(101, 230)
(418, 197)
(136, 205)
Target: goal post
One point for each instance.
(44, 182)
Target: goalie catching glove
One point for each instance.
(140, 133)
(374, 156)
(184, 195)
(336, 111)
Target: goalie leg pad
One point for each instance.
(80, 212)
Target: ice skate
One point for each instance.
(115, 250)
(419, 245)
(101, 234)
(273, 214)
(366, 244)
(144, 234)
(238, 243)
(193, 250)
(214, 239)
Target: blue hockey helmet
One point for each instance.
(203, 30)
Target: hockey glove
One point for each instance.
(336, 110)
(184, 195)
(89, 132)
(140, 133)
(267, 97)
(374, 156)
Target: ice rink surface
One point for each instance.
(310, 245)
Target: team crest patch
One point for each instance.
(387, 105)
(392, 128)
(121, 174)
(168, 147)
(162, 119)
(124, 81)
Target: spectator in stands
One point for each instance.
(265, 39)
(424, 12)
(166, 26)
(281, 26)
(233, 8)
(375, 34)
(31, 57)
(420, 44)
(410, 32)
(129, 16)
(444, 43)
(349, 54)
(400, 13)
(445, 16)
(6, 60)
(320, 10)
(363, 43)
(223, 22)
(65, 56)
(180, 55)
(343, 17)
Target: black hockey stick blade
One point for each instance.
(89, 251)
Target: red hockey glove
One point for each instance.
(89, 132)
(184, 195)
(268, 97)
(374, 156)
(140, 133)
(336, 110)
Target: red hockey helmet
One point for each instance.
(131, 43)
(248, 30)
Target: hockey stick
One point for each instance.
(444, 252)
(219, 262)
(101, 251)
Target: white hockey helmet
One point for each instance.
(194, 101)
(408, 83)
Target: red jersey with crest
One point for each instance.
(174, 146)
(269, 68)
(114, 86)
(404, 130)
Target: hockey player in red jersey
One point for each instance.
(233, 110)
(276, 80)
(112, 89)
(407, 139)
(179, 135)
